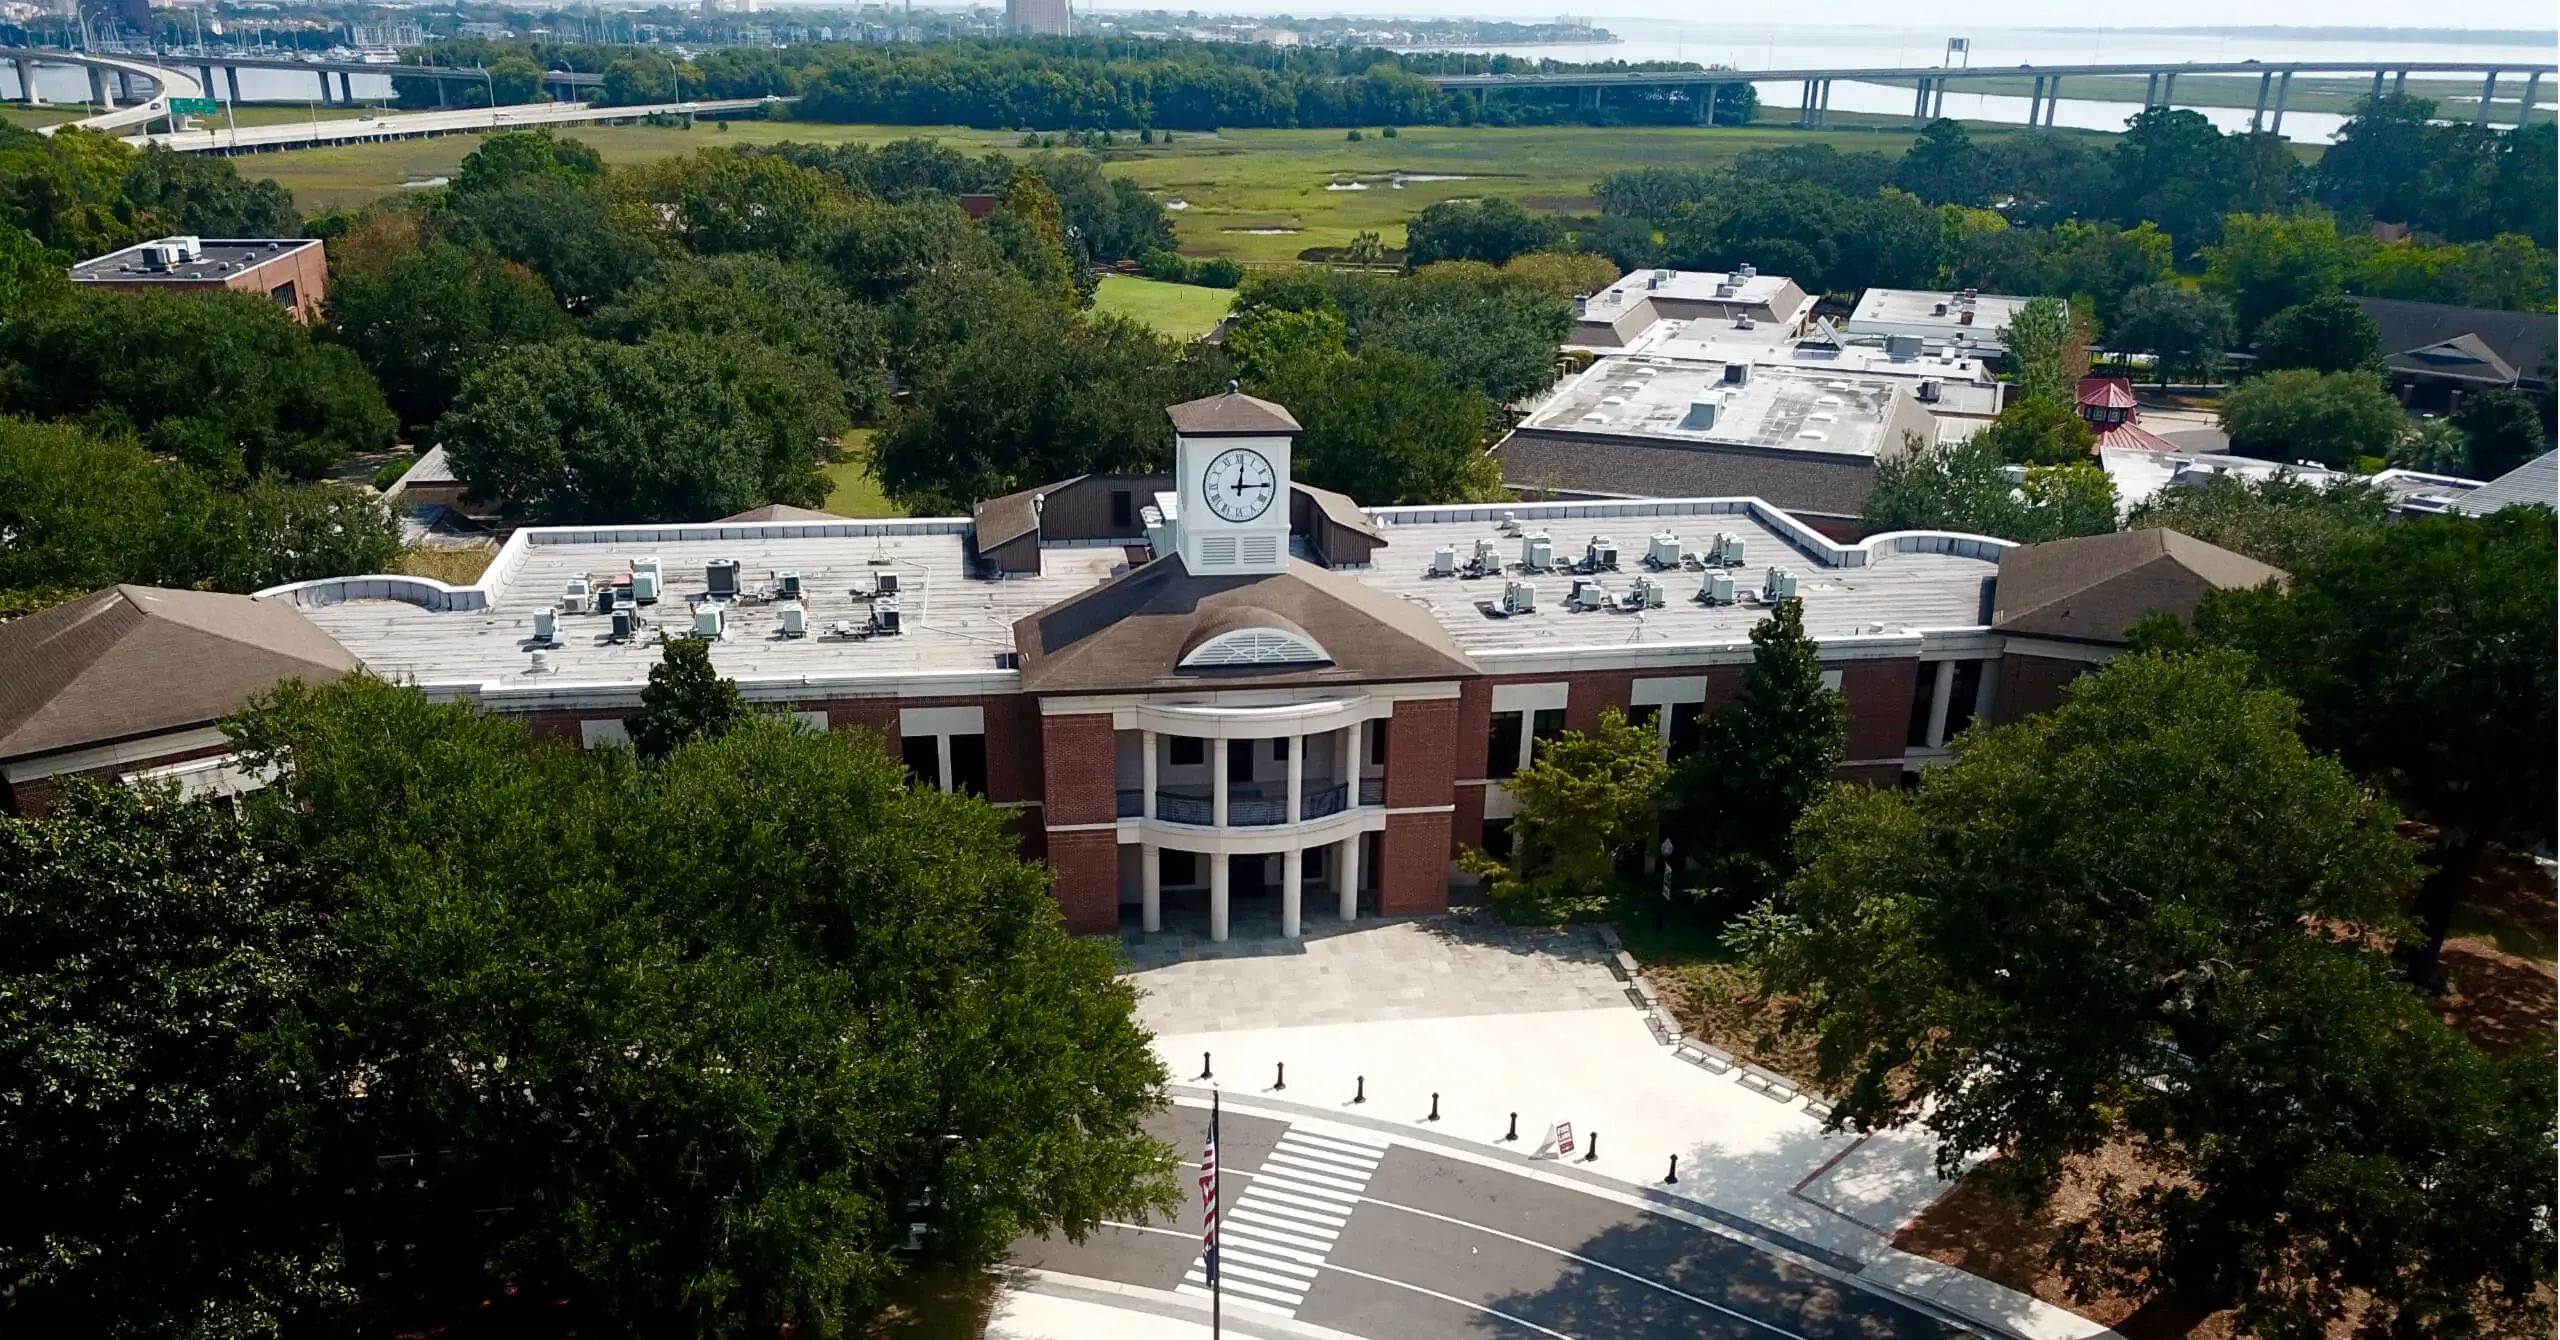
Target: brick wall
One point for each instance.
(1081, 769)
(1591, 693)
(1466, 824)
(1421, 740)
(1087, 863)
(1474, 723)
(1413, 865)
(1879, 695)
(2031, 684)
(30, 799)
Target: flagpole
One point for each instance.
(1217, 1195)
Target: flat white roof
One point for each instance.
(1701, 285)
(1956, 316)
(1799, 409)
(1965, 385)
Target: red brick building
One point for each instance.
(1215, 688)
(294, 271)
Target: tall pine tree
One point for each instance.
(1762, 759)
(685, 700)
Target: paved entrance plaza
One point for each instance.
(1372, 971)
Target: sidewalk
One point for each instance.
(1756, 1165)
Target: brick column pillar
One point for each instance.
(1080, 809)
(1413, 865)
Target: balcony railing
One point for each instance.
(1132, 804)
(1322, 801)
(1175, 808)
(1373, 790)
(1257, 811)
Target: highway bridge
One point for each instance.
(2275, 82)
(224, 140)
(336, 78)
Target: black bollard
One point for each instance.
(1360, 1094)
(1672, 1176)
(1592, 1154)
(1514, 1132)
(1204, 1065)
(1435, 1108)
(1280, 1080)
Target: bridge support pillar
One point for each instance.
(2259, 114)
(1937, 98)
(98, 88)
(2376, 94)
(346, 88)
(27, 89)
(2400, 84)
(124, 88)
(231, 76)
(2052, 98)
(1920, 105)
(2151, 91)
(443, 102)
(2532, 95)
(2035, 104)
(2284, 86)
(2169, 89)
(2488, 94)
(1822, 109)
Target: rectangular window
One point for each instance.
(1684, 729)
(1178, 868)
(1121, 515)
(969, 764)
(1280, 749)
(1502, 746)
(1968, 686)
(1923, 686)
(1377, 743)
(1642, 716)
(1240, 760)
(1188, 751)
(1547, 725)
(923, 754)
(285, 295)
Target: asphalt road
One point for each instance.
(1436, 1248)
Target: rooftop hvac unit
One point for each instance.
(1652, 282)
(647, 564)
(1648, 594)
(1737, 374)
(884, 616)
(1902, 346)
(1747, 270)
(1537, 552)
(1601, 554)
(1937, 309)
(1700, 418)
(1588, 595)
(1510, 523)
(1744, 322)
(1965, 317)
(1662, 550)
(546, 626)
(888, 584)
(1519, 597)
(1728, 550)
(644, 584)
(625, 623)
(1662, 276)
(1726, 289)
(786, 584)
(1488, 557)
(795, 620)
(1780, 584)
(605, 601)
(710, 621)
(1581, 304)
(1931, 389)
(574, 595)
(1717, 589)
(1444, 561)
(720, 575)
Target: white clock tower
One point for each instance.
(1231, 484)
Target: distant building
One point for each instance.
(2437, 353)
(2536, 483)
(1967, 321)
(2108, 406)
(293, 271)
(2064, 609)
(1621, 315)
(2140, 473)
(1046, 18)
(1276, 37)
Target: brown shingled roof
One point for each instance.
(1131, 633)
(2095, 587)
(1234, 413)
(133, 661)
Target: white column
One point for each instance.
(1218, 889)
(1986, 695)
(1218, 802)
(1938, 695)
(1352, 738)
(1347, 878)
(1292, 871)
(1151, 884)
(1147, 779)
(1297, 777)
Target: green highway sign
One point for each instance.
(194, 106)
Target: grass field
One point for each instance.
(856, 493)
(1179, 310)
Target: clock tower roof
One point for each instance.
(1233, 414)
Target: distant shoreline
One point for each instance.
(2436, 36)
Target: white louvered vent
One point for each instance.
(1218, 551)
(1255, 646)
(1261, 550)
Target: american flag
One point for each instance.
(1209, 1199)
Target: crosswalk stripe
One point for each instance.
(1290, 1302)
(1321, 1235)
(1365, 1157)
(1323, 1163)
(1297, 1200)
(1232, 1255)
(1294, 1134)
(1283, 1166)
(1273, 1244)
(1340, 1191)
(1278, 1288)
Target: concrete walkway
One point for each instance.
(1493, 1021)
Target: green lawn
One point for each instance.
(1227, 183)
(1183, 311)
(856, 493)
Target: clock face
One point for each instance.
(1239, 485)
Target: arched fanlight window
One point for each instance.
(1255, 646)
